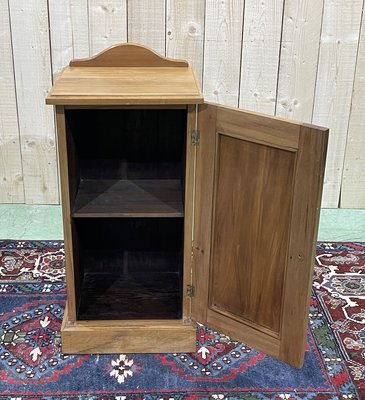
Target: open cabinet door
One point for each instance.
(257, 200)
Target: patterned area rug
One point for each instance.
(32, 365)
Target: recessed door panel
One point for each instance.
(253, 191)
(257, 196)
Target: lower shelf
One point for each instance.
(109, 296)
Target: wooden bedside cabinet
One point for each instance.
(176, 211)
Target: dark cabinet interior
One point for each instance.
(127, 166)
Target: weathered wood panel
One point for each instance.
(107, 23)
(222, 53)
(295, 59)
(146, 23)
(260, 55)
(69, 33)
(185, 32)
(11, 174)
(33, 77)
(353, 182)
(298, 59)
(335, 76)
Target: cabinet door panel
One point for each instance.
(258, 186)
(253, 185)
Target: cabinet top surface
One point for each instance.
(125, 75)
(115, 85)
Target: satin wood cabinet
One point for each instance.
(177, 211)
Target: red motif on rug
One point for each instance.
(21, 262)
(339, 282)
(31, 344)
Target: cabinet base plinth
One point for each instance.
(149, 336)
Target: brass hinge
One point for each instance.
(190, 290)
(195, 137)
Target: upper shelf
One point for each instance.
(126, 74)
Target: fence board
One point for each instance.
(353, 182)
(107, 24)
(260, 55)
(222, 51)
(185, 32)
(31, 52)
(335, 76)
(69, 33)
(11, 175)
(298, 59)
(146, 23)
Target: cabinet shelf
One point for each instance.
(129, 198)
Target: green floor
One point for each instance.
(26, 222)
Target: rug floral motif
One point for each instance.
(32, 365)
(339, 283)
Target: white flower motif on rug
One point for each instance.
(122, 368)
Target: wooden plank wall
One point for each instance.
(303, 60)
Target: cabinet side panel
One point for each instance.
(68, 189)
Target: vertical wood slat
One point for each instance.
(107, 23)
(260, 55)
(11, 174)
(298, 59)
(185, 32)
(146, 24)
(33, 77)
(222, 52)
(353, 181)
(69, 32)
(336, 67)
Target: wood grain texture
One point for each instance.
(307, 193)
(251, 218)
(203, 206)
(298, 59)
(353, 181)
(33, 76)
(222, 52)
(123, 86)
(296, 174)
(11, 174)
(128, 55)
(107, 23)
(172, 336)
(146, 23)
(336, 68)
(252, 336)
(259, 128)
(185, 32)
(260, 55)
(70, 32)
